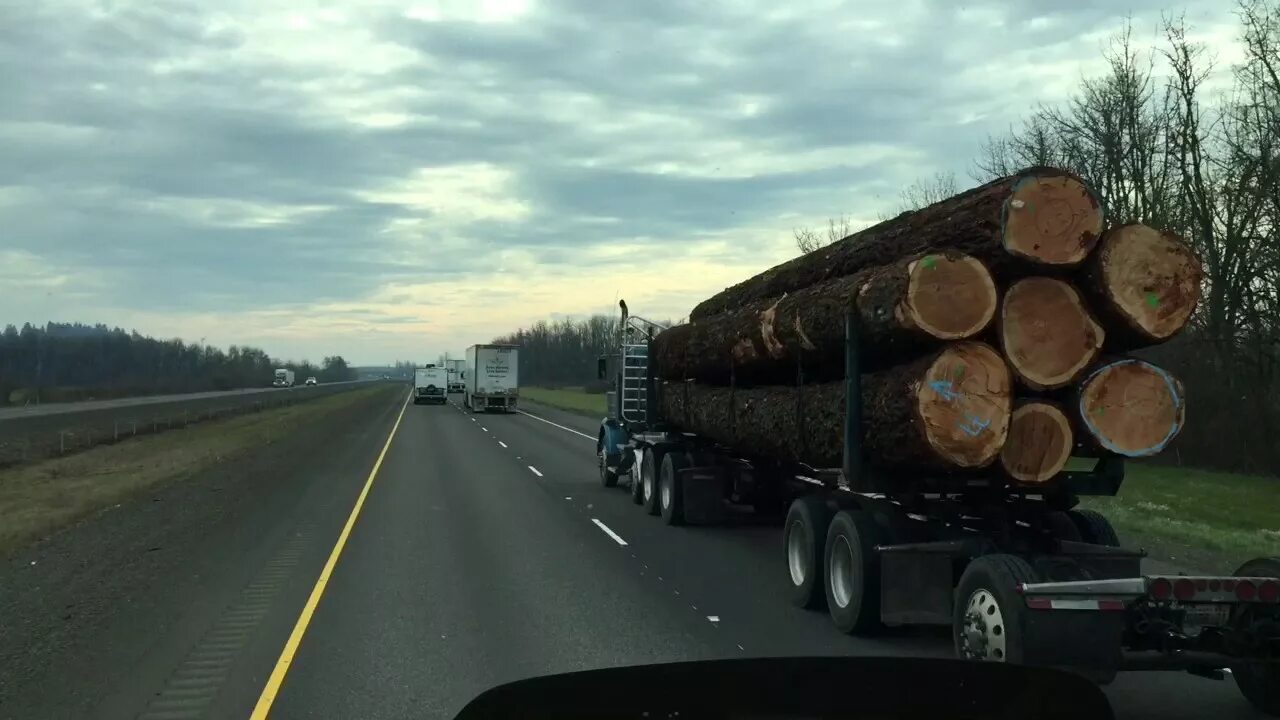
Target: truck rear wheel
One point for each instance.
(852, 577)
(671, 489)
(802, 542)
(649, 483)
(649, 459)
(1094, 527)
(989, 618)
(1259, 681)
(1063, 527)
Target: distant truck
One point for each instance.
(457, 375)
(430, 384)
(492, 378)
(284, 378)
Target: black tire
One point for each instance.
(988, 587)
(851, 572)
(1063, 527)
(803, 537)
(649, 459)
(1094, 527)
(649, 486)
(1259, 682)
(608, 478)
(671, 488)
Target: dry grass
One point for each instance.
(38, 498)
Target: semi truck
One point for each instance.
(1020, 574)
(492, 378)
(430, 384)
(283, 378)
(457, 375)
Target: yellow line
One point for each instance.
(274, 682)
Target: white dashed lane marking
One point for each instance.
(502, 443)
(534, 470)
(616, 538)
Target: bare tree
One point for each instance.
(808, 240)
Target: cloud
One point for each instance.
(407, 178)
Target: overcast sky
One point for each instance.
(403, 179)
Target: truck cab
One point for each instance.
(628, 407)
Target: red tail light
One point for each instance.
(1161, 589)
(1269, 592)
(1184, 590)
(1245, 590)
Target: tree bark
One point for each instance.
(1144, 283)
(1047, 333)
(1040, 442)
(943, 412)
(1041, 216)
(904, 309)
(1129, 407)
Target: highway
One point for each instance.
(484, 550)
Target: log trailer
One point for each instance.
(1021, 574)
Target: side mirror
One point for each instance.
(602, 368)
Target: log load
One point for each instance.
(1039, 444)
(904, 308)
(1145, 285)
(1047, 333)
(1043, 216)
(1129, 407)
(946, 411)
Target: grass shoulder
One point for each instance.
(1199, 519)
(40, 497)
(572, 399)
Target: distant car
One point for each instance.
(311, 381)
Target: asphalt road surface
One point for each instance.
(484, 551)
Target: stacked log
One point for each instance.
(982, 323)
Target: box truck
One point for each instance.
(430, 384)
(457, 375)
(492, 378)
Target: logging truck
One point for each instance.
(1020, 573)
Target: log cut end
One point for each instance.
(1039, 444)
(1132, 408)
(1150, 278)
(949, 297)
(964, 402)
(1048, 334)
(1051, 219)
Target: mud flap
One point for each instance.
(703, 492)
(1086, 642)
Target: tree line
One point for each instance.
(1164, 149)
(61, 362)
(563, 353)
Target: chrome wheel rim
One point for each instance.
(796, 561)
(840, 570)
(648, 486)
(983, 635)
(666, 494)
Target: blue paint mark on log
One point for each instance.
(945, 389)
(975, 425)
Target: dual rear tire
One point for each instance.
(832, 561)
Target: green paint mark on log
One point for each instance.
(1152, 300)
(928, 262)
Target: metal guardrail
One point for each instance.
(37, 437)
